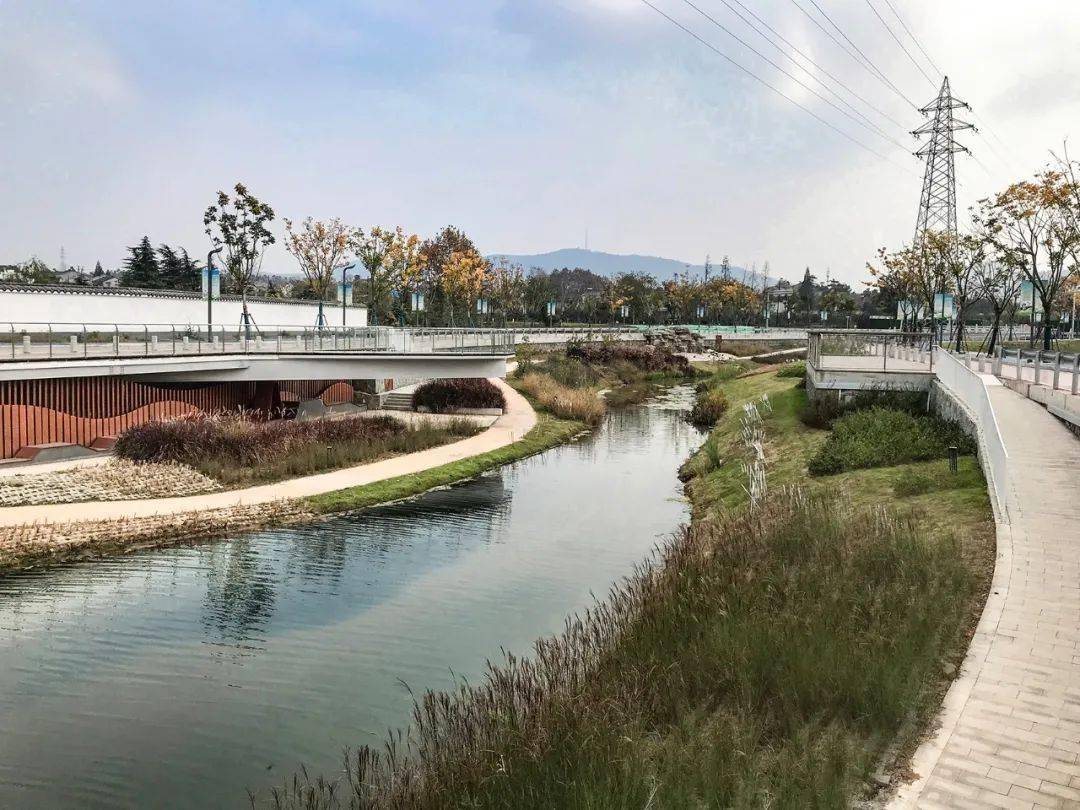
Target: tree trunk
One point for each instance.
(994, 332)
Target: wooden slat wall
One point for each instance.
(81, 409)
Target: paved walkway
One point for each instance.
(1010, 725)
(518, 420)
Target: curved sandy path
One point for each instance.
(518, 420)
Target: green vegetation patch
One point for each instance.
(883, 437)
(709, 406)
(795, 369)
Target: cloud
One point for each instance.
(45, 64)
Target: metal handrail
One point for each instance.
(66, 340)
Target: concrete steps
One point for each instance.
(396, 401)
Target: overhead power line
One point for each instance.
(864, 61)
(899, 42)
(801, 55)
(862, 120)
(985, 128)
(769, 85)
(914, 38)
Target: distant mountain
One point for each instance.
(610, 264)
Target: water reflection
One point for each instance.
(181, 676)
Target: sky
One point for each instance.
(525, 122)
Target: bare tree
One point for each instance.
(998, 282)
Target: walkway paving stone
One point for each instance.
(1010, 725)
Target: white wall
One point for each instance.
(24, 306)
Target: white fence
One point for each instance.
(972, 391)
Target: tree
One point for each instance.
(838, 298)
(177, 270)
(319, 248)
(407, 266)
(463, 277)
(1034, 226)
(32, 271)
(434, 254)
(725, 268)
(539, 290)
(998, 283)
(507, 285)
(239, 224)
(805, 297)
(141, 267)
(99, 271)
(373, 250)
(959, 255)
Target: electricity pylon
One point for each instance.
(937, 204)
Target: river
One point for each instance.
(181, 677)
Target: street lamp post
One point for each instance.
(344, 291)
(210, 289)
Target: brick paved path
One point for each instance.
(1010, 726)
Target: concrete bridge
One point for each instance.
(66, 386)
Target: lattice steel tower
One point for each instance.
(937, 204)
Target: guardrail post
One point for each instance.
(995, 367)
(116, 340)
(74, 341)
(50, 341)
(1038, 366)
(26, 344)
(1057, 369)
(1076, 373)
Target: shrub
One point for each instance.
(709, 406)
(795, 369)
(824, 410)
(440, 396)
(883, 437)
(581, 404)
(652, 359)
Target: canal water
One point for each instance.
(182, 677)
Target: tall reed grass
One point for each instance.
(581, 404)
(234, 449)
(763, 660)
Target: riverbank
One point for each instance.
(36, 535)
(789, 655)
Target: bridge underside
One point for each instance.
(88, 403)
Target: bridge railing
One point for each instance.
(1055, 369)
(67, 341)
(869, 350)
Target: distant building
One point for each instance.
(777, 298)
(109, 281)
(71, 276)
